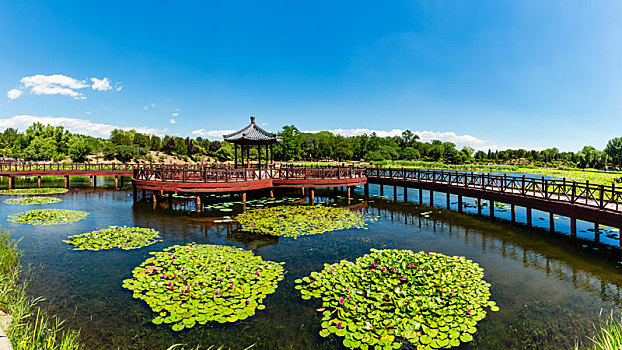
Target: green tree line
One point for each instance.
(48, 143)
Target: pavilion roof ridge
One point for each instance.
(252, 132)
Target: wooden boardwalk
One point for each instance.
(577, 200)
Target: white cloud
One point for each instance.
(75, 125)
(172, 121)
(13, 94)
(145, 108)
(153, 105)
(101, 84)
(56, 84)
(175, 114)
(210, 134)
(118, 87)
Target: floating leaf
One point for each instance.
(40, 217)
(125, 238)
(390, 296)
(293, 221)
(199, 283)
(27, 191)
(32, 200)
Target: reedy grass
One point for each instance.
(32, 328)
(607, 334)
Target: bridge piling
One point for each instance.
(596, 232)
(91, 180)
(348, 193)
(491, 204)
(312, 194)
(272, 193)
(10, 182)
(116, 181)
(198, 203)
(394, 193)
(528, 213)
(38, 181)
(513, 213)
(448, 197)
(405, 194)
(551, 222)
(573, 227)
(366, 189)
(66, 181)
(381, 190)
(144, 194)
(170, 200)
(479, 206)
(459, 203)
(431, 198)
(420, 196)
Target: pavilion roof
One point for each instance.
(252, 134)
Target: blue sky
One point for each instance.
(526, 74)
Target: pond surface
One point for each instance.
(549, 288)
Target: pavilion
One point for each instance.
(252, 135)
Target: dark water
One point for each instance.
(549, 288)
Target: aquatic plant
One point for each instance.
(32, 200)
(198, 283)
(392, 297)
(292, 221)
(29, 191)
(126, 238)
(40, 217)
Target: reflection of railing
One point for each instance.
(196, 174)
(584, 193)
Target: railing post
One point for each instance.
(546, 187)
(602, 197)
(574, 192)
(523, 186)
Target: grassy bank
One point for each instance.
(32, 328)
(607, 335)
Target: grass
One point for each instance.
(32, 328)
(443, 166)
(607, 335)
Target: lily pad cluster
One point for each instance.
(293, 221)
(29, 191)
(41, 217)
(126, 238)
(199, 283)
(32, 200)
(393, 297)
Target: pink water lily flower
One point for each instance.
(338, 324)
(217, 291)
(468, 311)
(341, 300)
(196, 284)
(411, 264)
(230, 286)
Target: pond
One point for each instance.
(549, 288)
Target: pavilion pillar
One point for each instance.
(38, 181)
(235, 152)
(528, 216)
(242, 154)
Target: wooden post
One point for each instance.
(420, 196)
(38, 181)
(366, 189)
(198, 203)
(244, 198)
(479, 206)
(573, 227)
(431, 198)
(492, 208)
(528, 216)
(170, 200)
(116, 181)
(91, 180)
(381, 190)
(312, 193)
(448, 201)
(144, 194)
(94, 181)
(394, 192)
(405, 194)
(303, 191)
(513, 212)
(349, 192)
(459, 203)
(271, 193)
(10, 182)
(67, 182)
(596, 233)
(552, 222)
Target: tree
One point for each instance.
(120, 137)
(614, 151)
(79, 149)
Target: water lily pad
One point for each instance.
(48, 217)
(32, 200)
(125, 238)
(292, 221)
(200, 283)
(27, 191)
(389, 297)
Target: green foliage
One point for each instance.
(391, 297)
(199, 283)
(126, 238)
(293, 221)
(29, 191)
(43, 217)
(32, 200)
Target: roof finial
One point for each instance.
(252, 118)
